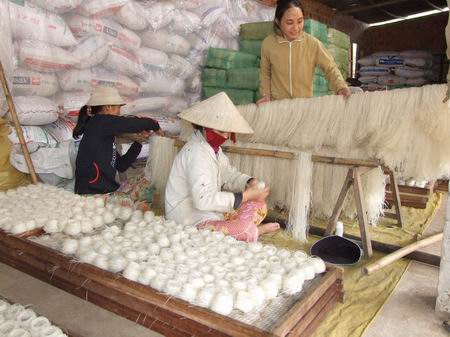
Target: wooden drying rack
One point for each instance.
(357, 167)
(160, 312)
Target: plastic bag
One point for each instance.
(132, 15)
(90, 52)
(41, 56)
(123, 61)
(70, 102)
(28, 82)
(86, 79)
(31, 22)
(99, 8)
(160, 83)
(35, 110)
(57, 6)
(152, 59)
(163, 40)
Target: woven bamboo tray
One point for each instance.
(294, 316)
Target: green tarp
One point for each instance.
(338, 38)
(230, 59)
(256, 30)
(212, 77)
(251, 46)
(317, 29)
(244, 78)
(238, 96)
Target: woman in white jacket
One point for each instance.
(203, 188)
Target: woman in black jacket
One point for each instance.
(99, 123)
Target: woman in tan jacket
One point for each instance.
(289, 58)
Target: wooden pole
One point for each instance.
(12, 111)
(388, 259)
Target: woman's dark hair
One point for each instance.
(282, 7)
(197, 127)
(83, 119)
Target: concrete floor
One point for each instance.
(409, 312)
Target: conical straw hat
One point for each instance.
(105, 96)
(217, 112)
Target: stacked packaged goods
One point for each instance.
(391, 69)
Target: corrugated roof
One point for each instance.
(371, 11)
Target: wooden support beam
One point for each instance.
(12, 111)
(368, 7)
(396, 196)
(362, 215)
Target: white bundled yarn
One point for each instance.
(57, 6)
(152, 59)
(162, 154)
(23, 322)
(145, 104)
(98, 8)
(185, 22)
(159, 14)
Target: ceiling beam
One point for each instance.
(367, 7)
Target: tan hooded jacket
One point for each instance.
(287, 68)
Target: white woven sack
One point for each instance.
(161, 84)
(366, 61)
(31, 22)
(35, 110)
(391, 79)
(110, 30)
(132, 15)
(368, 79)
(390, 61)
(44, 57)
(86, 79)
(57, 6)
(181, 67)
(70, 102)
(152, 59)
(169, 43)
(409, 72)
(27, 82)
(159, 14)
(185, 22)
(61, 129)
(175, 106)
(418, 62)
(33, 134)
(123, 61)
(98, 8)
(374, 71)
(145, 104)
(91, 51)
(416, 81)
(189, 4)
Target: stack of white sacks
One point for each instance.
(151, 51)
(387, 70)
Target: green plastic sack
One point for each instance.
(212, 77)
(320, 81)
(320, 93)
(251, 46)
(338, 38)
(230, 59)
(340, 56)
(238, 96)
(256, 30)
(317, 29)
(244, 78)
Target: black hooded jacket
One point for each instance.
(98, 161)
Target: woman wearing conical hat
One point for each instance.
(99, 123)
(203, 189)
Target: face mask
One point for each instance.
(214, 139)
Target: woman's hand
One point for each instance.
(344, 92)
(160, 132)
(255, 193)
(263, 100)
(251, 183)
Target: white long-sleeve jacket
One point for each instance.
(198, 176)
